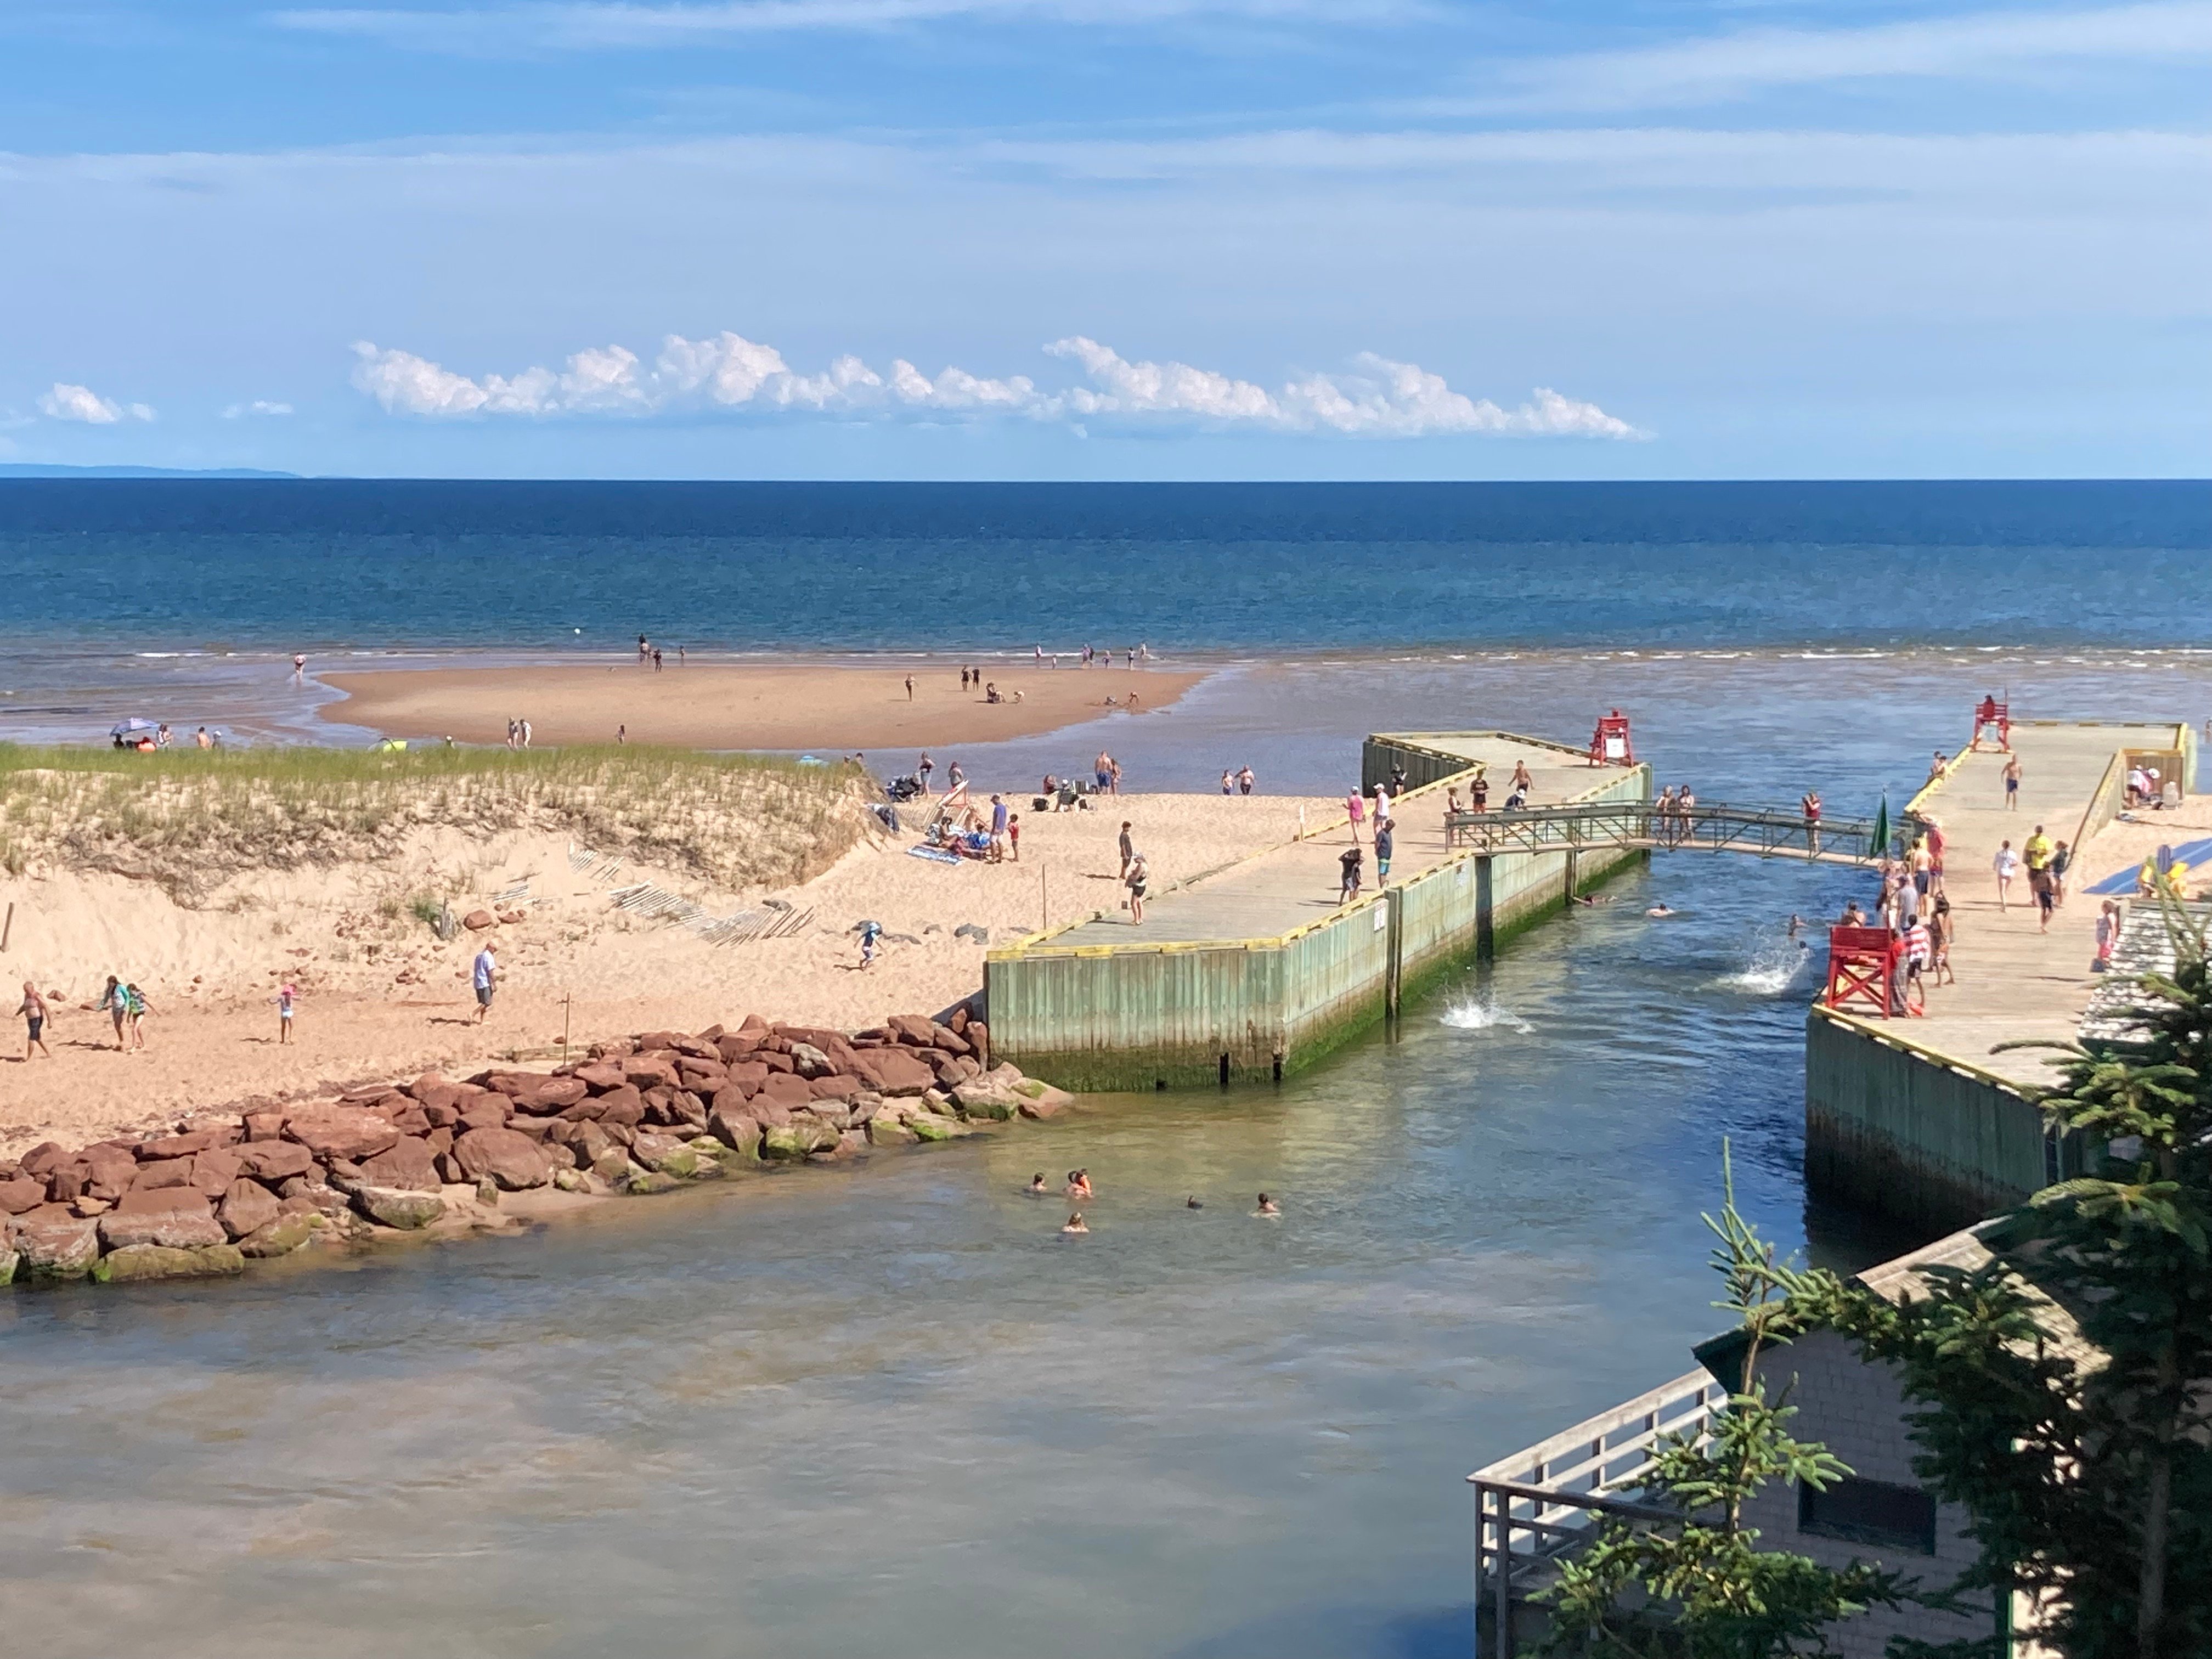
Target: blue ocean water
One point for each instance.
(279, 565)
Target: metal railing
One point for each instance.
(1544, 1502)
(1718, 827)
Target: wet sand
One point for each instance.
(822, 706)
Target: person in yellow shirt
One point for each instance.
(2037, 851)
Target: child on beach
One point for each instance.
(2007, 865)
(117, 1006)
(287, 995)
(2108, 936)
(871, 933)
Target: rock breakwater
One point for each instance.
(639, 1115)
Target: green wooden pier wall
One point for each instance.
(1182, 1014)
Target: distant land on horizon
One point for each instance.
(44, 470)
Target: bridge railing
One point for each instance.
(1714, 827)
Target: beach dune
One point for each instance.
(822, 706)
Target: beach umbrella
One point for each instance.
(1879, 845)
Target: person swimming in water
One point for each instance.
(1659, 910)
(1079, 1183)
(1191, 1203)
(1036, 1188)
(1267, 1207)
(1076, 1224)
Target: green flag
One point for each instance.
(1878, 846)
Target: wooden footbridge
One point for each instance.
(1715, 828)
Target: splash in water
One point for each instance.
(1775, 966)
(1480, 1013)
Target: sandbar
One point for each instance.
(722, 705)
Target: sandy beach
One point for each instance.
(381, 996)
(697, 705)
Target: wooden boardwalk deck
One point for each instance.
(1286, 887)
(2015, 981)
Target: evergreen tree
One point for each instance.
(1704, 1589)
(2083, 1463)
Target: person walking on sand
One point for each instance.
(1244, 780)
(2007, 864)
(527, 734)
(621, 734)
(1128, 849)
(1355, 808)
(909, 687)
(114, 1003)
(2012, 782)
(2062, 859)
(287, 995)
(871, 933)
(1139, 874)
(1228, 781)
(35, 1014)
(135, 1006)
(484, 976)
(299, 668)
(1348, 861)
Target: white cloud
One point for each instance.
(259, 406)
(585, 26)
(81, 403)
(1378, 398)
(1977, 46)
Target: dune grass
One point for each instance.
(191, 819)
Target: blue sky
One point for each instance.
(1130, 238)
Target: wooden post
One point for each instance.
(1486, 931)
(1394, 964)
(8, 925)
(1044, 904)
(567, 998)
(1573, 858)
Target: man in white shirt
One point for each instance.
(485, 977)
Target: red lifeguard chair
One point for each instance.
(1866, 972)
(1989, 712)
(1610, 744)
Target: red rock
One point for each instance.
(600, 1076)
(66, 1184)
(409, 1119)
(787, 1089)
(648, 1071)
(695, 1048)
(911, 1028)
(622, 1105)
(553, 1094)
(769, 1114)
(536, 1128)
(733, 1048)
(109, 1172)
(214, 1169)
(834, 1088)
(44, 1157)
(979, 1038)
(54, 1243)
(275, 1160)
(775, 1059)
(247, 1207)
(509, 1157)
(950, 1042)
(167, 1172)
(183, 1220)
(440, 1140)
(746, 1076)
(893, 1072)
(21, 1195)
(477, 920)
(409, 1163)
(341, 1131)
(491, 1113)
(956, 1021)
(649, 1041)
(264, 1126)
(173, 1146)
(423, 1087)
